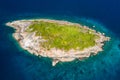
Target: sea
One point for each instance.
(18, 64)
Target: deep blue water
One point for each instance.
(18, 64)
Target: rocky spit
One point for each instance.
(30, 42)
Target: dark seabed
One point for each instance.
(18, 64)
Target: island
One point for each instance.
(62, 41)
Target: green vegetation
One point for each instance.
(63, 36)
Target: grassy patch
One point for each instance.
(63, 36)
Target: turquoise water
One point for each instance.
(106, 63)
(18, 64)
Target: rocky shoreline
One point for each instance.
(30, 42)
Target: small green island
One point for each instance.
(60, 40)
